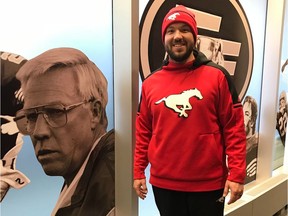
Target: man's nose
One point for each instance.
(178, 35)
(42, 128)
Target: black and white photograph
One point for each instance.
(57, 112)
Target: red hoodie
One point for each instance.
(189, 120)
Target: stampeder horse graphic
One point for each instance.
(181, 100)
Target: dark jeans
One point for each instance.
(178, 203)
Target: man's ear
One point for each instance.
(97, 111)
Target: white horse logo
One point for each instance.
(173, 16)
(181, 100)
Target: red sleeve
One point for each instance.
(232, 121)
(143, 136)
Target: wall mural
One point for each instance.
(282, 94)
(11, 139)
(27, 38)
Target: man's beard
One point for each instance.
(248, 129)
(179, 58)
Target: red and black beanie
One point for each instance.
(180, 14)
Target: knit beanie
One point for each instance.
(180, 14)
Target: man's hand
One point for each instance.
(236, 191)
(140, 188)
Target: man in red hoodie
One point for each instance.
(190, 128)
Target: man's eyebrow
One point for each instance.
(56, 105)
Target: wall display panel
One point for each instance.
(29, 29)
(241, 54)
(282, 106)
